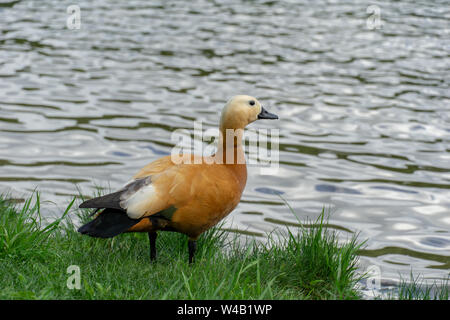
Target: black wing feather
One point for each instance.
(113, 220)
(113, 200)
(109, 223)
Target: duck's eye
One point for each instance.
(252, 102)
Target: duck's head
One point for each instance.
(242, 110)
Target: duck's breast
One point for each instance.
(210, 193)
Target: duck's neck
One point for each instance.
(230, 149)
(231, 153)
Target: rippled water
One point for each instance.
(364, 114)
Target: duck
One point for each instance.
(188, 196)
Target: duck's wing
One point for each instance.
(138, 197)
(113, 200)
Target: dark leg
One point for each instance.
(192, 246)
(152, 237)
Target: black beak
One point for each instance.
(264, 114)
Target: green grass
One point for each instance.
(307, 264)
(417, 289)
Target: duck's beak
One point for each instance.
(264, 114)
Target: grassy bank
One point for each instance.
(34, 261)
(417, 289)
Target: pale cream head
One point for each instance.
(236, 115)
(239, 112)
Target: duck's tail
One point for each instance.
(109, 223)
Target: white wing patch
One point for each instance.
(140, 198)
(136, 203)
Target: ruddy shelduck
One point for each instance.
(188, 197)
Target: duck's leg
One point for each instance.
(152, 238)
(192, 246)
